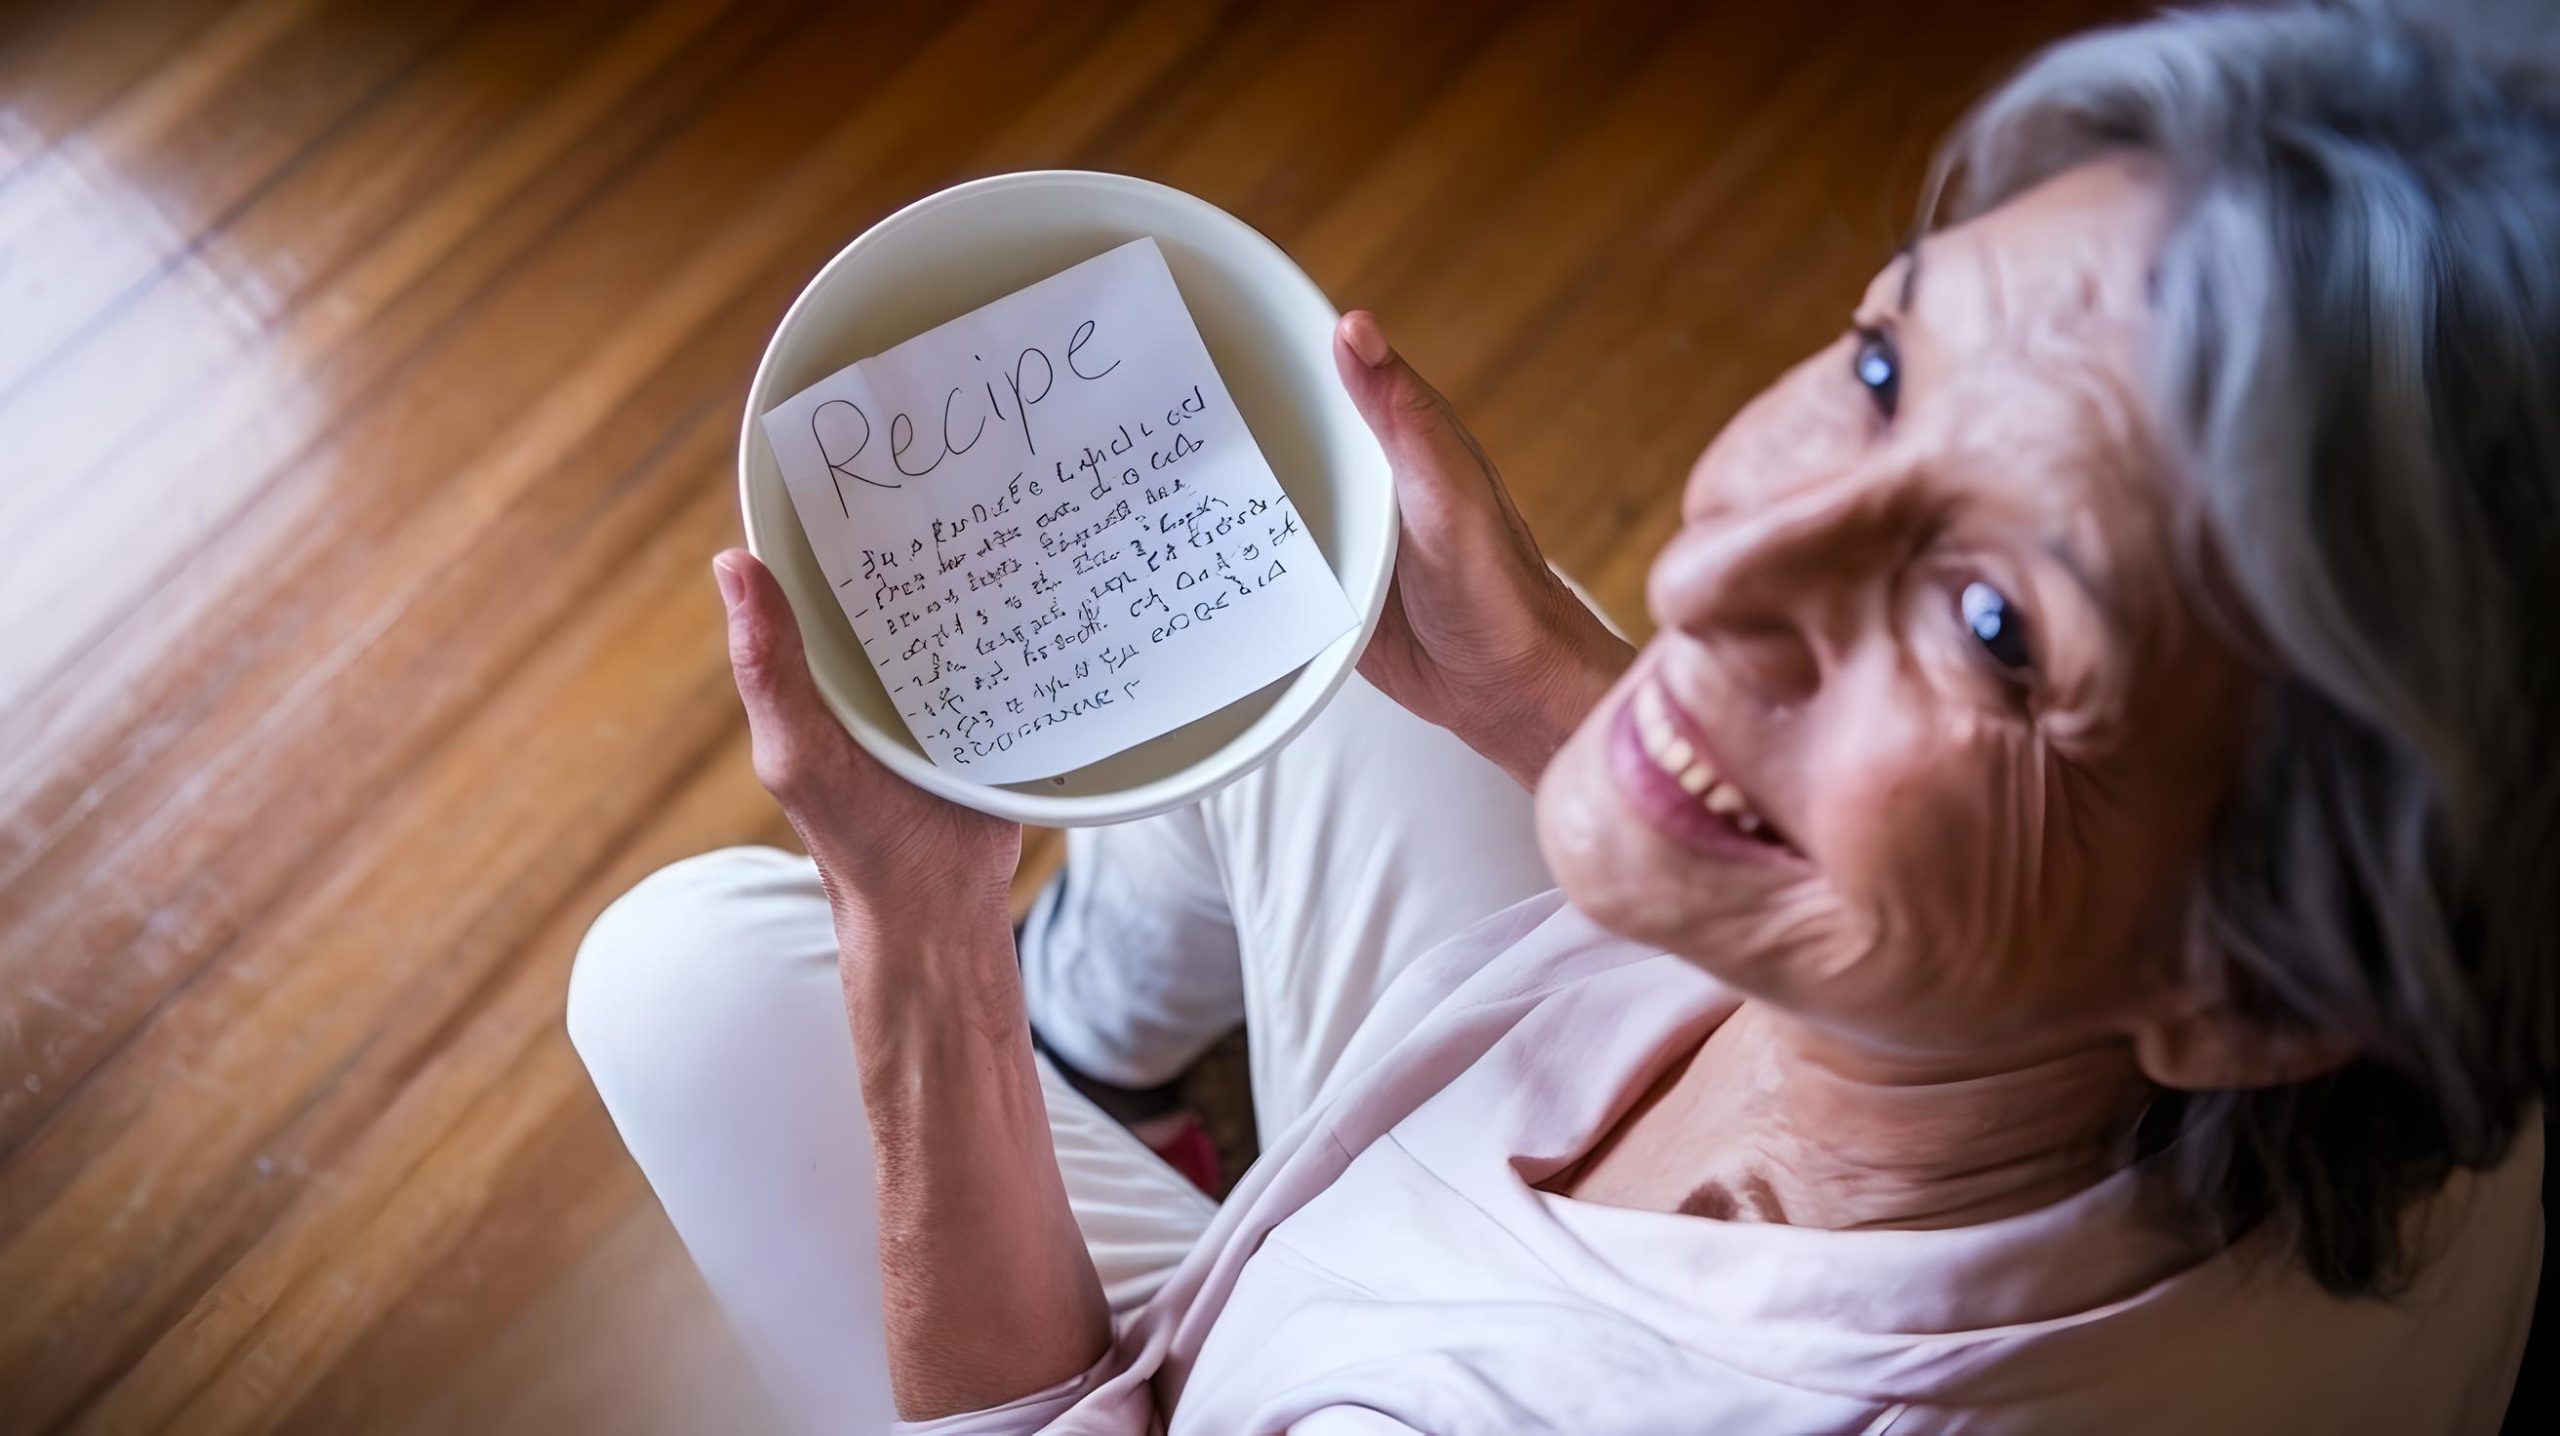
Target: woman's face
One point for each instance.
(1928, 736)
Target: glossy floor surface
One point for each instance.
(369, 374)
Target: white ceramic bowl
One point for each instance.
(1267, 326)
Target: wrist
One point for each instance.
(1574, 668)
(928, 993)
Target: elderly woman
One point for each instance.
(2054, 932)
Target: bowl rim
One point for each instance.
(1331, 667)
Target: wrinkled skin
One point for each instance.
(1985, 860)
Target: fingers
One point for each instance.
(1442, 474)
(1440, 470)
(1416, 427)
(797, 741)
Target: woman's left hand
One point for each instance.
(902, 867)
(1479, 635)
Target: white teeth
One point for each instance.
(1653, 725)
(1678, 757)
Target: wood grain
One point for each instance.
(366, 401)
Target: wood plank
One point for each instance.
(549, 378)
(115, 211)
(246, 409)
(62, 64)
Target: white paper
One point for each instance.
(1050, 527)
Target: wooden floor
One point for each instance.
(368, 378)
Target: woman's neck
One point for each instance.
(1773, 1121)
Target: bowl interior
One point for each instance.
(1268, 328)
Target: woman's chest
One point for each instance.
(1453, 1303)
(1683, 1146)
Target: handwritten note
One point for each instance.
(1050, 527)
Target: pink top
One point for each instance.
(1388, 1266)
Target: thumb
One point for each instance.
(795, 737)
(1443, 476)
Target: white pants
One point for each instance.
(706, 1006)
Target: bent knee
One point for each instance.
(667, 955)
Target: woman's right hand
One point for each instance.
(989, 1294)
(1479, 635)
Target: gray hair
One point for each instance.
(2358, 350)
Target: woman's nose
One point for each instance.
(1780, 590)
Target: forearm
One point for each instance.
(985, 1282)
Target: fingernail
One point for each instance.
(725, 573)
(1367, 340)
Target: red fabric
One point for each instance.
(1190, 1152)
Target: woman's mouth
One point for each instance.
(1660, 758)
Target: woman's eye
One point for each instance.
(1996, 625)
(1878, 365)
